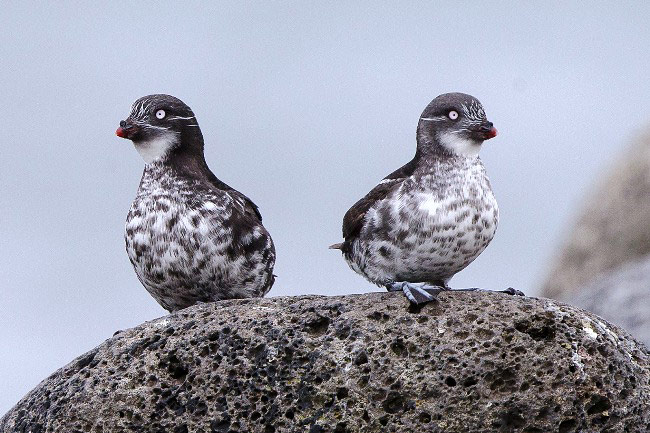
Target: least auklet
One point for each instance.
(190, 237)
(431, 218)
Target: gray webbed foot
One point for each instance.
(416, 293)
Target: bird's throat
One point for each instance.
(460, 145)
(157, 148)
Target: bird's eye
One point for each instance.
(160, 114)
(453, 115)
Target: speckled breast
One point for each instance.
(169, 244)
(428, 229)
(181, 249)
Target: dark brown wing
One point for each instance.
(194, 168)
(354, 217)
(251, 208)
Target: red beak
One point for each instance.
(127, 130)
(484, 131)
(120, 132)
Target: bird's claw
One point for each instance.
(508, 291)
(416, 293)
(513, 292)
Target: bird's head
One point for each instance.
(159, 124)
(457, 122)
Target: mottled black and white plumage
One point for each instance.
(432, 217)
(190, 237)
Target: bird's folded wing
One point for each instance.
(250, 208)
(354, 217)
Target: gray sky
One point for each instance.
(304, 106)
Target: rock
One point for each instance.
(622, 297)
(472, 362)
(612, 228)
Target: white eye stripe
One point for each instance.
(453, 115)
(162, 128)
(434, 119)
(160, 114)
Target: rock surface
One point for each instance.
(472, 362)
(613, 226)
(622, 297)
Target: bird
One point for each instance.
(432, 217)
(190, 237)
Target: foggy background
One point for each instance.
(304, 107)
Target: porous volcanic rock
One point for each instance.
(471, 362)
(613, 226)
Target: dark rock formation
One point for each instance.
(613, 226)
(622, 297)
(472, 362)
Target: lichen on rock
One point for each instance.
(471, 362)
